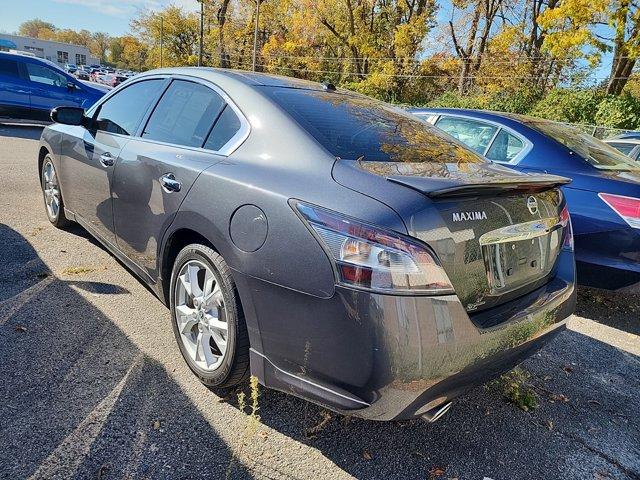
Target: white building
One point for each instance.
(56, 52)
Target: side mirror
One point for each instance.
(68, 115)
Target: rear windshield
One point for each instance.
(355, 127)
(594, 151)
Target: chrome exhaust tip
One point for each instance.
(435, 414)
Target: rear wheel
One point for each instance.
(52, 194)
(207, 317)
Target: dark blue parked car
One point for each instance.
(30, 87)
(603, 198)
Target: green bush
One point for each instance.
(567, 105)
(454, 100)
(618, 112)
(519, 101)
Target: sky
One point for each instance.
(111, 16)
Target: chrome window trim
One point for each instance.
(528, 145)
(227, 149)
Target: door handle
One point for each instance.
(169, 183)
(106, 159)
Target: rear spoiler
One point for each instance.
(449, 188)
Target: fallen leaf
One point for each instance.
(156, 425)
(568, 369)
(21, 328)
(436, 472)
(366, 455)
(101, 471)
(559, 397)
(549, 424)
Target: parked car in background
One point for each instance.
(70, 68)
(336, 246)
(111, 79)
(82, 73)
(30, 87)
(603, 197)
(630, 146)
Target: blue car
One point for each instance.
(603, 197)
(30, 87)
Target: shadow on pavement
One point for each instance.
(78, 398)
(617, 310)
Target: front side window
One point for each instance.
(122, 112)
(184, 115)
(504, 147)
(476, 135)
(355, 127)
(48, 76)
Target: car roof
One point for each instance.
(252, 79)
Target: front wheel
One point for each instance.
(52, 194)
(208, 322)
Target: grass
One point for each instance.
(515, 387)
(252, 420)
(81, 270)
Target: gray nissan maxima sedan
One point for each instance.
(330, 244)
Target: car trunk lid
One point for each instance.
(497, 232)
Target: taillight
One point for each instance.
(375, 259)
(565, 220)
(627, 207)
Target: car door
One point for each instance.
(49, 88)
(14, 93)
(89, 154)
(186, 133)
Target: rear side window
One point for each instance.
(8, 67)
(355, 127)
(476, 135)
(504, 147)
(185, 114)
(122, 112)
(224, 129)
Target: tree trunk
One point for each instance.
(620, 72)
(225, 61)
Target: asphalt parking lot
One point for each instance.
(92, 384)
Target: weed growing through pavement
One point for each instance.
(515, 387)
(252, 420)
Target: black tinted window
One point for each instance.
(357, 127)
(122, 112)
(224, 129)
(184, 115)
(8, 67)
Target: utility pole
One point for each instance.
(201, 31)
(161, 38)
(255, 34)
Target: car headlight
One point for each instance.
(372, 258)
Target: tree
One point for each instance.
(482, 15)
(573, 26)
(99, 45)
(37, 28)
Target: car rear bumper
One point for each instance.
(386, 357)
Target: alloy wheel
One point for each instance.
(51, 189)
(200, 315)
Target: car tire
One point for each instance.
(52, 194)
(233, 366)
